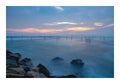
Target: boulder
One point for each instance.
(11, 62)
(8, 52)
(44, 70)
(12, 59)
(12, 75)
(78, 62)
(16, 71)
(67, 76)
(26, 62)
(13, 55)
(33, 74)
(57, 59)
(17, 55)
(42, 75)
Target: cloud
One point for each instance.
(60, 23)
(98, 24)
(45, 30)
(80, 29)
(81, 23)
(59, 8)
(34, 30)
(109, 25)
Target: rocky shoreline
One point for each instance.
(18, 67)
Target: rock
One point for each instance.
(13, 55)
(11, 62)
(12, 75)
(26, 62)
(67, 76)
(57, 59)
(44, 70)
(27, 69)
(8, 52)
(12, 59)
(17, 55)
(77, 62)
(33, 74)
(42, 75)
(16, 71)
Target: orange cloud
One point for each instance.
(80, 29)
(37, 30)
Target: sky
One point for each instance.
(60, 20)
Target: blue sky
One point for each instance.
(60, 20)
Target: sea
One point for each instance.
(97, 54)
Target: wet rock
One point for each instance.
(11, 62)
(77, 62)
(57, 59)
(67, 76)
(26, 63)
(17, 55)
(33, 74)
(16, 71)
(8, 52)
(44, 70)
(42, 75)
(12, 59)
(12, 75)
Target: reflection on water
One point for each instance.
(96, 53)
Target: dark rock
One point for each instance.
(11, 62)
(33, 74)
(44, 70)
(77, 62)
(67, 76)
(26, 62)
(27, 69)
(16, 70)
(12, 59)
(12, 75)
(13, 55)
(8, 52)
(57, 59)
(17, 55)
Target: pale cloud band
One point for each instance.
(102, 25)
(109, 25)
(38, 30)
(98, 24)
(60, 23)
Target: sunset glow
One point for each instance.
(60, 20)
(37, 30)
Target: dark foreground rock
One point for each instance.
(21, 68)
(77, 62)
(26, 63)
(18, 67)
(44, 70)
(67, 76)
(12, 59)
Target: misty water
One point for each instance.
(97, 54)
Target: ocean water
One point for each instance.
(97, 54)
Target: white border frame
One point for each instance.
(115, 3)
